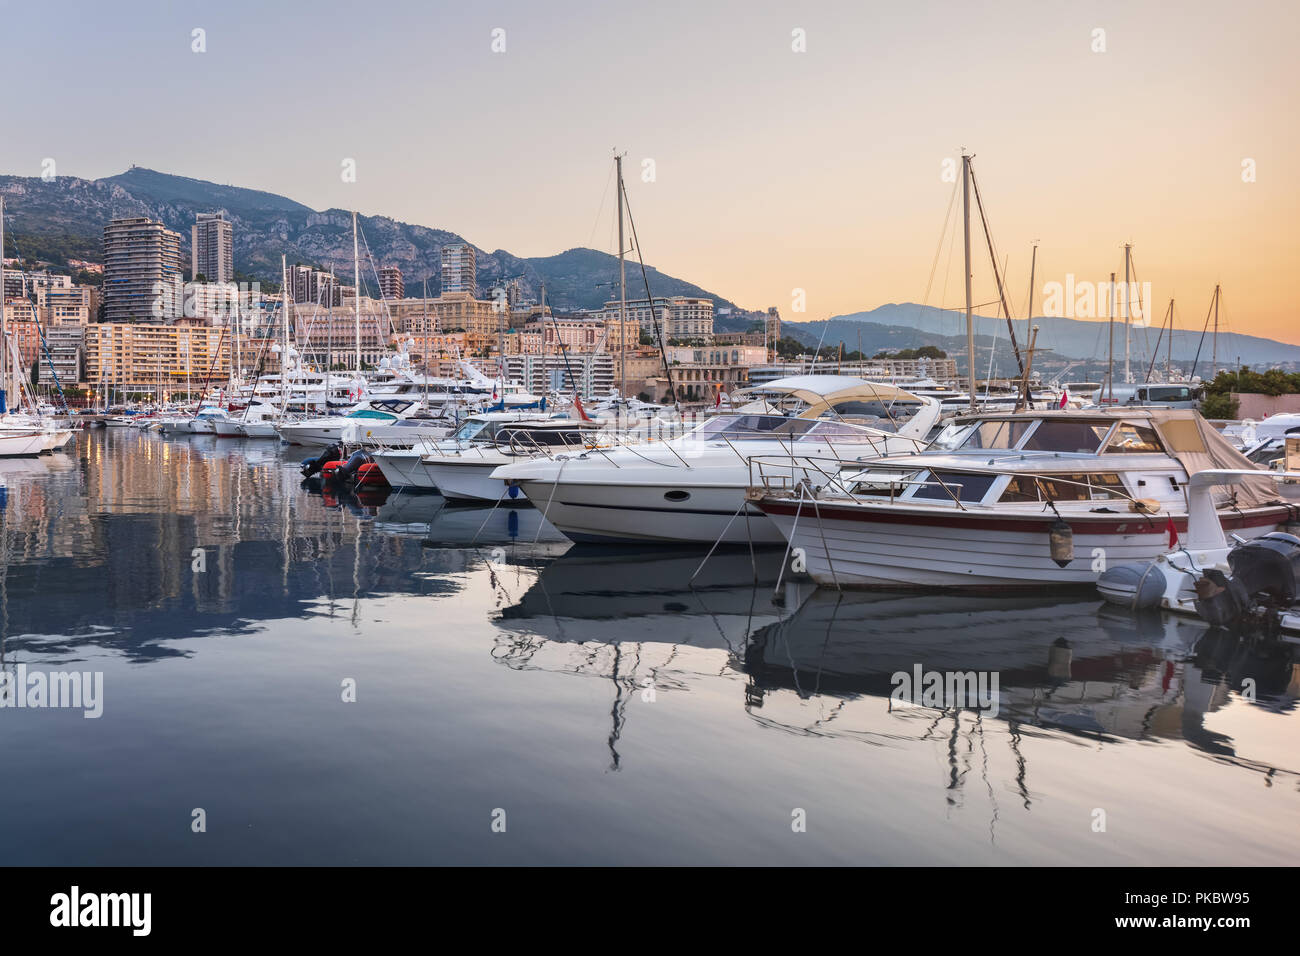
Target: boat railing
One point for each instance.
(783, 475)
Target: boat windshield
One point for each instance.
(1001, 434)
(752, 428)
(371, 413)
(1054, 435)
(824, 430)
(1078, 437)
(468, 430)
(886, 416)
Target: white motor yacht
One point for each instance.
(465, 473)
(319, 432)
(404, 467)
(692, 488)
(1027, 499)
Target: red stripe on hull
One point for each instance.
(1083, 523)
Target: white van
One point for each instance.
(1165, 394)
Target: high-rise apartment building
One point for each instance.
(213, 248)
(459, 268)
(312, 286)
(141, 256)
(391, 285)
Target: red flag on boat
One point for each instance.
(1065, 397)
(1173, 532)
(717, 397)
(577, 407)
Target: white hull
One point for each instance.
(258, 430)
(22, 443)
(57, 438)
(965, 553)
(312, 434)
(229, 428)
(404, 469)
(470, 480)
(626, 512)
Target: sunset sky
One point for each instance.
(774, 169)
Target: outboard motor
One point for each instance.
(349, 468)
(1221, 600)
(313, 466)
(1265, 578)
(1269, 565)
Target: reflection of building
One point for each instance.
(459, 269)
(212, 250)
(139, 255)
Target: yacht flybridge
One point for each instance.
(1018, 500)
(692, 488)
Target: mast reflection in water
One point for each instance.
(619, 706)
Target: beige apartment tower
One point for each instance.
(212, 247)
(140, 257)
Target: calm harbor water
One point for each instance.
(603, 707)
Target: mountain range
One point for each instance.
(64, 218)
(908, 325)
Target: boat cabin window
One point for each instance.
(946, 485)
(1066, 436)
(997, 434)
(823, 430)
(1129, 438)
(524, 438)
(1077, 487)
(752, 427)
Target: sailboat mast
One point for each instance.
(4, 348)
(622, 285)
(970, 327)
(284, 333)
(1029, 318)
(1110, 360)
(356, 295)
(1215, 347)
(1169, 346)
(1128, 376)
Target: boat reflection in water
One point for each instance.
(499, 666)
(1071, 667)
(825, 664)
